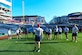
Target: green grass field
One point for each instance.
(48, 47)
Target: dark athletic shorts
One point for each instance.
(33, 33)
(46, 32)
(37, 38)
(66, 33)
(17, 33)
(55, 33)
(60, 32)
(9, 35)
(74, 34)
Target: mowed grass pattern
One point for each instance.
(48, 47)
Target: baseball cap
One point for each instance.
(38, 25)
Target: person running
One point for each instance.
(9, 34)
(60, 32)
(66, 30)
(56, 32)
(74, 32)
(38, 35)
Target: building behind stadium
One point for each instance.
(5, 10)
(68, 20)
(30, 19)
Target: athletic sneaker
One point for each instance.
(76, 41)
(34, 50)
(38, 50)
(67, 39)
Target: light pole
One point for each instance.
(11, 9)
(23, 11)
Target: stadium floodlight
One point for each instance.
(23, 10)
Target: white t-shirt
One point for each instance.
(49, 30)
(60, 29)
(46, 29)
(55, 29)
(66, 29)
(17, 31)
(39, 31)
(9, 32)
(75, 29)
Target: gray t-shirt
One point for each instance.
(75, 29)
(39, 31)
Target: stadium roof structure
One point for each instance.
(76, 14)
